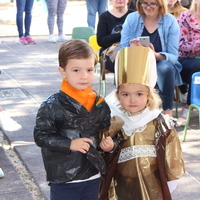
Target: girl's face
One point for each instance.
(119, 3)
(133, 97)
(171, 3)
(150, 7)
(79, 72)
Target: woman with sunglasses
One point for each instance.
(151, 19)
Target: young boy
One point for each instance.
(67, 127)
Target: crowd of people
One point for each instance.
(170, 36)
(68, 123)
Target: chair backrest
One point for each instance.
(93, 43)
(195, 89)
(82, 33)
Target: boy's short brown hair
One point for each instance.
(75, 49)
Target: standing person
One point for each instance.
(150, 161)
(24, 6)
(189, 49)
(94, 7)
(68, 124)
(151, 19)
(175, 7)
(110, 26)
(56, 7)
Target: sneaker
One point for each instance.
(51, 38)
(182, 119)
(23, 40)
(30, 40)
(62, 38)
(7, 123)
(1, 173)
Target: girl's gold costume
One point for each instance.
(151, 156)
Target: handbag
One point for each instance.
(110, 53)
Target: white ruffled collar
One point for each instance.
(131, 122)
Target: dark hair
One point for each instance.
(75, 49)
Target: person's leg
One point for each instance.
(91, 12)
(28, 16)
(19, 16)
(90, 190)
(52, 9)
(76, 191)
(60, 191)
(27, 20)
(166, 84)
(60, 12)
(102, 6)
(190, 66)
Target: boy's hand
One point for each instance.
(107, 144)
(81, 144)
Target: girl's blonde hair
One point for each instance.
(154, 100)
(162, 4)
(75, 49)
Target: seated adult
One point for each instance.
(175, 7)
(189, 49)
(110, 25)
(151, 19)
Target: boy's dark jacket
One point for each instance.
(61, 119)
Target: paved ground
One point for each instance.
(32, 71)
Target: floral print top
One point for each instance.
(189, 43)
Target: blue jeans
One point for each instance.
(190, 66)
(24, 6)
(93, 7)
(87, 190)
(166, 83)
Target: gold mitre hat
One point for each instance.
(136, 64)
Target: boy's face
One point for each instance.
(79, 72)
(133, 97)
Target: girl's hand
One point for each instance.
(81, 144)
(107, 144)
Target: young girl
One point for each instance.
(151, 155)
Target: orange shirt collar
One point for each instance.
(85, 97)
